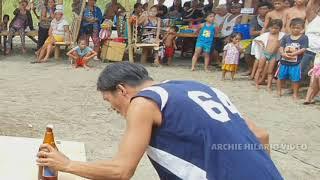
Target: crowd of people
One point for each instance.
(284, 36)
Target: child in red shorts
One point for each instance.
(81, 54)
(170, 43)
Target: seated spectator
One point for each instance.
(176, 10)
(162, 9)
(47, 14)
(137, 9)
(22, 19)
(58, 32)
(201, 4)
(4, 23)
(151, 33)
(90, 25)
(209, 7)
(194, 15)
(145, 7)
(113, 9)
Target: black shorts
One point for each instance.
(219, 44)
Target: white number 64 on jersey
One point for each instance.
(215, 110)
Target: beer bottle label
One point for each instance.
(47, 172)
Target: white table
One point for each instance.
(18, 157)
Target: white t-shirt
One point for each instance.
(58, 26)
(313, 33)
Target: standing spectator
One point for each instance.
(176, 10)
(256, 26)
(113, 9)
(292, 49)
(221, 15)
(162, 9)
(47, 14)
(90, 25)
(230, 21)
(297, 11)
(313, 33)
(278, 12)
(288, 3)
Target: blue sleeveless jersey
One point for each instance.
(203, 136)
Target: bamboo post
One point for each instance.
(245, 18)
(216, 3)
(127, 7)
(0, 10)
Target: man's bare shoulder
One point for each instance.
(141, 106)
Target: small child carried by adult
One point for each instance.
(205, 42)
(231, 55)
(169, 40)
(292, 49)
(81, 54)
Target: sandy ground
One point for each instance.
(55, 93)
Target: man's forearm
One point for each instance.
(97, 170)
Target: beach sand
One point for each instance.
(54, 93)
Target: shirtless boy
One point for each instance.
(170, 43)
(297, 11)
(278, 12)
(270, 52)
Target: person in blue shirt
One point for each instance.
(90, 25)
(188, 130)
(205, 42)
(81, 54)
(292, 50)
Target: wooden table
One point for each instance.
(18, 157)
(188, 42)
(187, 35)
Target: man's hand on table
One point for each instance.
(48, 156)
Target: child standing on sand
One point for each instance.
(170, 43)
(205, 42)
(231, 55)
(270, 43)
(81, 54)
(292, 49)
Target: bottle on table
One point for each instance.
(45, 173)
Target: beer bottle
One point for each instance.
(45, 173)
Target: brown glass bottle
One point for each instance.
(45, 173)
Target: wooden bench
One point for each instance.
(57, 49)
(31, 34)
